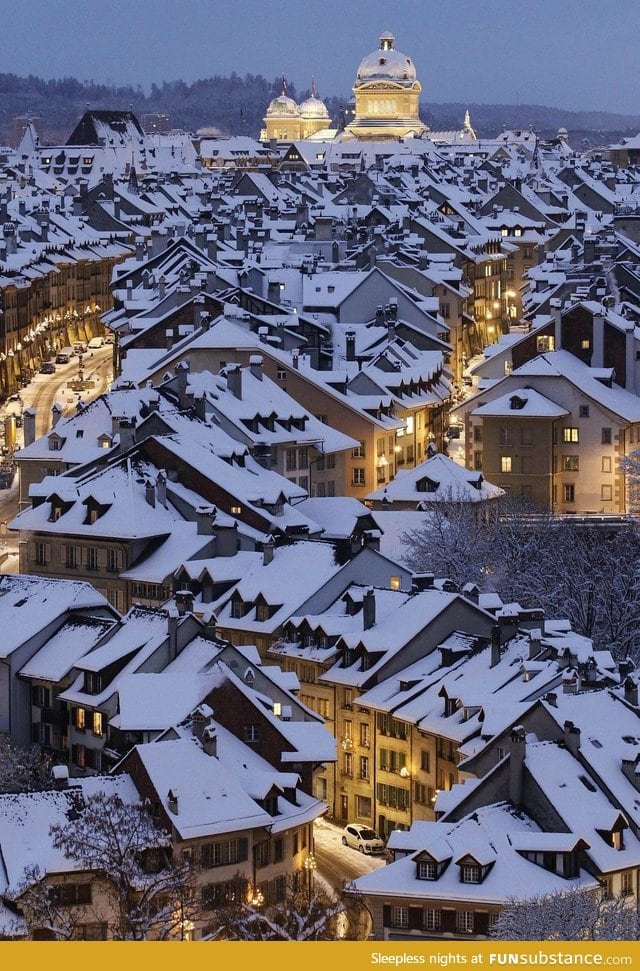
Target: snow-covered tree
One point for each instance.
(586, 574)
(301, 915)
(572, 915)
(147, 894)
(23, 769)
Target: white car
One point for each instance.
(362, 838)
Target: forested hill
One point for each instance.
(237, 105)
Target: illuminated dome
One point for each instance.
(386, 64)
(282, 106)
(313, 108)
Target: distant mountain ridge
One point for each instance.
(237, 105)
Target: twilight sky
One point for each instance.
(574, 54)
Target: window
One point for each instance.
(526, 437)
(431, 919)
(477, 461)
(70, 894)
(570, 434)
(72, 557)
(606, 493)
(470, 874)
(427, 871)
(505, 463)
(584, 411)
(79, 719)
(570, 463)
(545, 343)
(291, 463)
(399, 916)
(606, 463)
(40, 696)
(303, 458)
(464, 921)
(278, 850)
(477, 433)
(365, 734)
(251, 733)
(91, 932)
(281, 374)
(42, 554)
(92, 558)
(423, 795)
(586, 344)
(112, 561)
(358, 477)
(347, 764)
(569, 493)
(225, 853)
(236, 510)
(626, 883)
(425, 760)
(363, 807)
(364, 766)
(506, 437)
(261, 854)
(97, 723)
(606, 436)
(358, 453)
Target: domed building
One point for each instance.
(387, 95)
(286, 121)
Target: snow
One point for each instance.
(328, 837)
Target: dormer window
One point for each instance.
(516, 403)
(427, 871)
(470, 874)
(55, 443)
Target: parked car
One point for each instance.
(64, 355)
(80, 347)
(48, 368)
(362, 838)
(95, 342)
(109, 338)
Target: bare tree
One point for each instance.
(23, 769)
(304, 914)
(572, 915)
(147, 894)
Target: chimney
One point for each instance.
(184, 602)
(181, 372)
(294, 358)
(571, 738)
(150, 492)
(56, 414)
(631, 691)
(227, 542)
(379, 316)
(204, 519)
(255, 363)
(423, 581)
(517, 749)
(234, 380)
(551, 698)
(126, 429)
(172, 630)
(262, 454)
(162, 288)
(29, 426)
(570, 682)
(368, 609)
(210, 741)
(535, 642)
(161, 488)
(351, 345)
(200, 719)
(625, 668)
(60, 776)
(495, 645)
(267, 550)
(172, 801)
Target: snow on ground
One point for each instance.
(328, 836)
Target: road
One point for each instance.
(41, 393)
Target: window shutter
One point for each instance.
(448, 920)
(415, 918)
(481, 922)
(386, 915)
(102, 559)
(47, 552)
(63, 552)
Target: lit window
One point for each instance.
(79, 719)
(571, 434)
(570, 463)
(97, 723)
(395, 583)
(236, 510)
(505, 463)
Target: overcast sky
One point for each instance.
(575, 54)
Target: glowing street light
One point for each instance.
(310, 865)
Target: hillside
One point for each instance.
(237, 104)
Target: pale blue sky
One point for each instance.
(575, 54)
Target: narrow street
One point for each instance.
(42, 392)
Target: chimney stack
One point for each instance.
(56, 414)
(267, 550)
(351, 345)
(210, 741)
(631, 691)
(495, 645)
(204, 519)
(368, 608)
(184, 602)
(150, 492)
(571, 737)
(535, 642)
(29, 426)
(172, 801)
(517, 750)
(234, 380)
(255, 363)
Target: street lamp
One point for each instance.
(310, 865)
